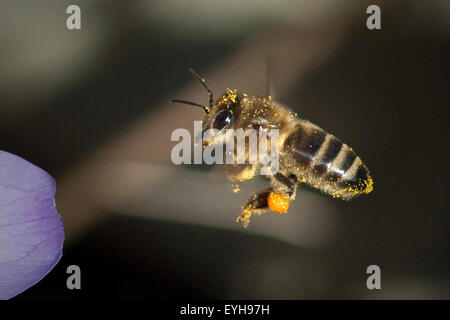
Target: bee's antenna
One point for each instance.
(203, 82)
(190, 103)
(269, 70)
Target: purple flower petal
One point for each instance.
(31, 231)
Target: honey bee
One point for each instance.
(307, 153)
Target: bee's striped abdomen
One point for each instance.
(302, 145)
(324, 162)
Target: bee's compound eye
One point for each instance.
(222, 119)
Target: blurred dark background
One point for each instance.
(76, 101)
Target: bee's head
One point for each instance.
(220, 114)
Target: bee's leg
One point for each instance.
(257, 204)
(288, 182)
(276, 198)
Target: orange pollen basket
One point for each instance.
(278, 202)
